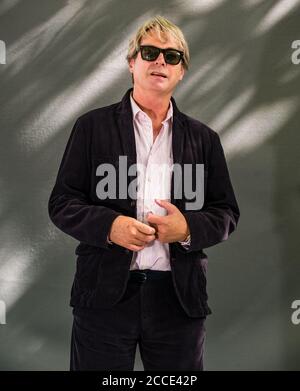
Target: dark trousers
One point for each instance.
(149, 314)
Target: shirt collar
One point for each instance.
(136, 109)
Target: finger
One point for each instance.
(167, 205)
(144, 228)
(138, 242)
(155, 219)
(154, 226)
(150, 223)
(144, 238)
(133, 247)
(161, 238)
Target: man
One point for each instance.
(141, 269)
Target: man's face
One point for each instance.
(142, 70)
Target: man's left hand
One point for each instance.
(172, 227)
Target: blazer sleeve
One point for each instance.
(220, 213)
(69, 205)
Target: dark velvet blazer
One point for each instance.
(102, 269)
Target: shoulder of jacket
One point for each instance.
(94, 114)
(200, 127)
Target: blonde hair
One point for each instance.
(160, 26)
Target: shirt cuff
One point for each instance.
(186, 243)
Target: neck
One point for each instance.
(155, 105)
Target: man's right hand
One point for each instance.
(131, 233)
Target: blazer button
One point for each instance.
(132, 203)
(126, 251)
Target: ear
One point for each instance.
(131, 65)
(182, 71)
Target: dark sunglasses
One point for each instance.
(171, 56)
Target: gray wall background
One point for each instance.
(67, 57)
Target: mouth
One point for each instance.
(159, 74)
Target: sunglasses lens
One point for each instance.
(172, 57)
(149, 53)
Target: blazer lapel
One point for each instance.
(177, 145)
(126, 131)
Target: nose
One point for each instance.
(160, 59)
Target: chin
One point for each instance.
(158, 88)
